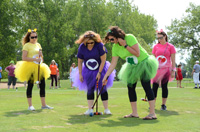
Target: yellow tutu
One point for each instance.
(24, 70)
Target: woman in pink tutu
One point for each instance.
(92, 67)
(165, 54)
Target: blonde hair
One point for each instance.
(27, 37)
(88, 35)
(53, 62)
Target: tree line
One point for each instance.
(60, 22)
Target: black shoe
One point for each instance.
(163, 107)
(195, 87)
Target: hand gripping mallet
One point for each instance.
(96, 101)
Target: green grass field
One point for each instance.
(183, 114)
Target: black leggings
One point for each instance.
(30, 87)
(12, 80)
(53, 77)
(164, 89)
(104, 96)
(147, 88)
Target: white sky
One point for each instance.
(165, 11)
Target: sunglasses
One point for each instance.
(33, 37)
(112, 39)
(90, 43)
(89, 36)
(159, 38)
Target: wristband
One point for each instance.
(125, 46)
(99, 73)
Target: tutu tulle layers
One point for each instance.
(89, 79)
(29, 70)
(163, 75)
(145, 70)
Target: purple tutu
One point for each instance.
(89, 79)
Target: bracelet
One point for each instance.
(99, 73)
(125, 46)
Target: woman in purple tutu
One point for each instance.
(93, 53)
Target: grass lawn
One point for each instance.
(182, 115)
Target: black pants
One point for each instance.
(164, 89)
(147, 88)
(12, 80)
(104, 96)
(53, 77)
(30, 88)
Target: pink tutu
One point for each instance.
(163, 75)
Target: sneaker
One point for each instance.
(163, 107)
(46, 107)
(195, 87)
(31, 108)
(107, 112)
(88, 112)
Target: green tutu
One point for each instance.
(145, 70)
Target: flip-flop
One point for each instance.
(150, 117)
(130, 116)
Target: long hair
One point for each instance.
(88, 35)
(26, 39)
(164, 34)
(114, 31)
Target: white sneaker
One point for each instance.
(46, 107)
(88, 111)
(107, 112)
(31, 108)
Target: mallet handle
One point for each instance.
(99, 94)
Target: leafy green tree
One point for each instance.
(185, 33)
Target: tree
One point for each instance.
(185, 33)
(60, 22)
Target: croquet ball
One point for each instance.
(91, 114)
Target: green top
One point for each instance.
(122, 52)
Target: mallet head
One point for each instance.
(144, 99)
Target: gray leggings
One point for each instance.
(12, 80)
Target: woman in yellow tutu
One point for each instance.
(30, 66)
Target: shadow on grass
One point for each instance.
(127, 122)
(23, 112)
(103, 122)
(84, 119)
(166, 112)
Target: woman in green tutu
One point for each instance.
(139, 66)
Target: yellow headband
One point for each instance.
(29, 30)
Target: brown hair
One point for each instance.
(114, 31)
(164, 34)
(74, 64)
(179, 65)
(88, 35)
(26, 39)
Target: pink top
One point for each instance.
(163, 54)
(11, 70)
